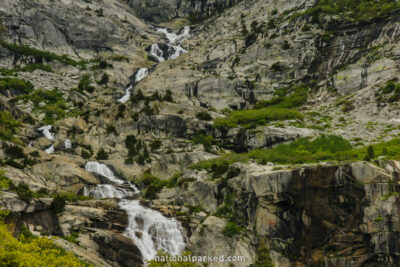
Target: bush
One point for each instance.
(351, 10)
(168, 96)
(102, 155)
(49, 56)
(58, 204)
(156, 144)
(231, 229)
(325, 147)
(85, 84)
(206, 141)
(252, 118)
(104, 79)
(4, 181)
(286, 98)
(23, 192)
(16, 84)
(203, 116)
(14, 152)
(33, 251)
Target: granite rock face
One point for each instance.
(165, 10)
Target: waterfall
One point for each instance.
(127, 95)
(157, 53)
(140, 75)
(173, 37)
(156, 231)
(50, 150)
(103, 170)
(173, 48)
(149, 229)
(46, 132)
(67, 144)
(107, 191)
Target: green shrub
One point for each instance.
(58, 204)
(300, 151)
(102, 155)
(4, 181)
(231, 229)
(206, 141)
(86, 154)
(252, 118)
(168, 96)
(351, 10)
(14, 152)
(85, 84)
(23, 192)
(286, 98)
(104, 79)
(16, 84)
(156, 144)
(29, 250)
(49, 56)
(203, 115)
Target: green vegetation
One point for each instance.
(27, 68)
(50, 102)
(58, 204)
(16, 84)
(203, 116)
(300, 151)
(206, 140)
(41, 55)
(154, 185)
(323, 148)
(390, 92)
(23, 192)
(85, 84)
(29, 250)
(231, 229)
(253, 118)
(286, 98)
(102, 155)
(8, 127)
(351, 10)
(263, 257)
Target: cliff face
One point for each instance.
(316, 215)
(166, 10)
(68, 65)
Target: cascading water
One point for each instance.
(173, 48)
(156, 231)
(46, 131)
(149, 229)
(50, 150)
(140, 75)
(67, 144)
(107, 191)
(103, 170)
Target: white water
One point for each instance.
(149, 229)
(103, 170)
(174, 44)
(46, 132)
(50, 150)
(173, 37)
(157, 232)
(127, 95)
(67, 144)
(140, 75)
(157, 53)
(107, 191)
